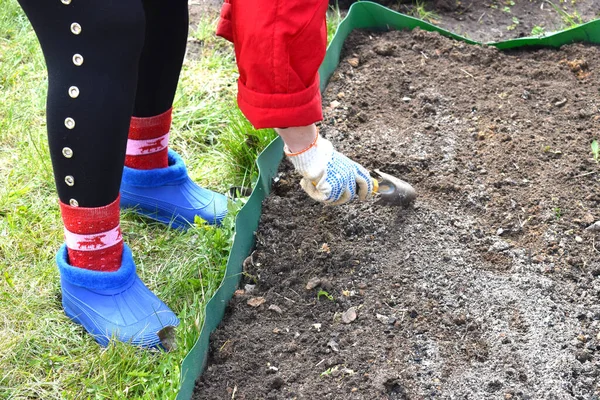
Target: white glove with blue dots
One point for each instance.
(329, 176)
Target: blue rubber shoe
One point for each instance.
(115, 305)
(168, 195)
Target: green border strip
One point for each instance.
(363, 14)
(246, 224)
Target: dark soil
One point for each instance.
(199, 9)
(493, 20)
(487, 288)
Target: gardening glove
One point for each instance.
(329, 176)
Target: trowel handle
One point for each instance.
(375, 185)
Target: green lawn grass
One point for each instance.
(43, 354)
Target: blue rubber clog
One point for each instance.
(168, 195)
(114, 305)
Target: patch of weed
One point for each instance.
(419, 11)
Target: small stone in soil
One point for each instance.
(583, 356)
(499, 246)
(313, 283)
(349, 315)
(271, 369)
(333, 345)
(249, 288)
(460, 319)
(275, 308)
(588, 219)
(386, 49)
(256, 301)
(384, 319)
(561, 103)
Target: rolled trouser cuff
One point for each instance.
(281, 110)
(224, 27)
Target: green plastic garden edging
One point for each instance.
(363, 14)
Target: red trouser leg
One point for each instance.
(279, 46)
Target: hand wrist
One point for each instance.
(298, 139)
(302, 148)
(312, 161)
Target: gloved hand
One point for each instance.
(329, 176)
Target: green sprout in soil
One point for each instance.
(538, 31)
(595, 150)
(512, 27)
(509, 4)
(324, 294)
(250, 277)
(420, 12)
(557, 212)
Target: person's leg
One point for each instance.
(155, 180)
(92, 51)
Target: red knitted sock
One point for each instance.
(148, 141)
(93, 236)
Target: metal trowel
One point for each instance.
(393, 191)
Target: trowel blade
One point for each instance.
(395, 191)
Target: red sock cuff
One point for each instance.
(90, 220)
(147, 147)
(150, 127)
(93, 236)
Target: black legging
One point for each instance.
(107, 60)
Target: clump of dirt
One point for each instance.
(486, 289)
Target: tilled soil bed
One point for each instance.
(487, 288)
